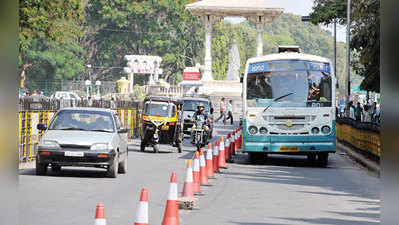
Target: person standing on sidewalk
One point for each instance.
(222, 111)
(229, 109)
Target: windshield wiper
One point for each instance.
(72, 128)
(102, 130)
(276, 99)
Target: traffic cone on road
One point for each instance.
(171, 216)
(227, 147)
(216, 157)
(142, 209)
(100, 215)
(196, 173)
(222, 157)
(240, 138)
(236, 142)
(232, 144)
(188, 187)
(209, 162)
(203, 172)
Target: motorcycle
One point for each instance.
(198, 133)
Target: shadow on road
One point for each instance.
(331, 221)
(336, 180)
(70, 172)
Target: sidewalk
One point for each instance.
(359, 158)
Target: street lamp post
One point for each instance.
(348, 52)
(87, 83)
(98, 84)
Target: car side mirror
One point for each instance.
(122, 130)
(41, 127)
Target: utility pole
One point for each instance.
(335, 47)
(348, 52)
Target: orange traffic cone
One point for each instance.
(236, 142)
(209, 161)
(196, 173)
(216, 156)
(142, 209)
(171, 216)
(188, 187)
(232, 144)
(222, 157)
(203, 172)
(100, 215)
(240, 137)
(227, 147)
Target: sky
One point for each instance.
(303, 8)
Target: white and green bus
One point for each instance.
(289, 106)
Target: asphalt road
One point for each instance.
(285, 190)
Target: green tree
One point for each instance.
(48, 34)
(365, 32)
(148, 27)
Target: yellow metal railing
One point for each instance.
(363, 139)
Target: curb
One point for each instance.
(359, 158)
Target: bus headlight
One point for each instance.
(315, 130)
(252, 130)
(263, 130)
(325, 129)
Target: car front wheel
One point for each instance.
(123, 166)
(41, 168)
(112, 170)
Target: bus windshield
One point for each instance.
(298, 87)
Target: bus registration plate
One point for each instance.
(289, 149)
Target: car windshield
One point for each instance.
(301, 86)
(191, 105)
(83, 120)
(162, 109)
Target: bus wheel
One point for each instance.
(257, 157)
(323, 159)
(312, 158)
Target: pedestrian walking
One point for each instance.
(367, 114)
(222, 111)
(358, 112)
(351, 110)
(229, 108)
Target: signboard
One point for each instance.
(191, 73)
(143, 64)
(288, 65)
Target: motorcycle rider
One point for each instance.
(197, 115)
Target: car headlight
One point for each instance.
(315, 130)
(47, 144)
(252, 130)
(263, 130)
(99, 147)
(326, 129)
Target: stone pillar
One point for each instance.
(209, 20)
(259, 47)
(259, 21)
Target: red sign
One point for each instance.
(191, 76)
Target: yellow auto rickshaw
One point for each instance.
(162, 123)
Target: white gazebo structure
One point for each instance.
(212, 11)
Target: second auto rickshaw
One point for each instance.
(162, 123)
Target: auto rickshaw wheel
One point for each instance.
(156, 148)
(179, 147)
(142, 146)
